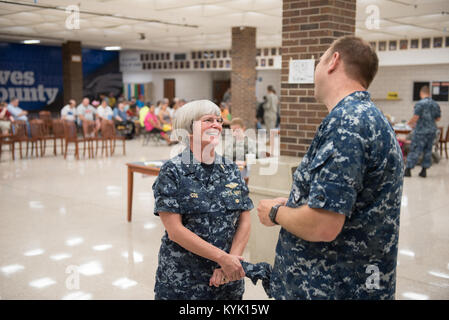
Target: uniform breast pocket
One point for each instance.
(321, 157)
(194, 202)
(232, 199)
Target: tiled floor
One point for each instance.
(64, 233)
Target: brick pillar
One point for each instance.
(72, 71)
(243, 74)
(308, 28)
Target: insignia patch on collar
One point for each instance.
(232, 185)
(194, 195)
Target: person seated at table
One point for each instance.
(68, 112)
(204, 206)
(152, 125)
(6, 119)
(121, 120)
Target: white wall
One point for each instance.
(192, 85)
(400, 79)
(266, 78)
(189, 85)
(414, 57)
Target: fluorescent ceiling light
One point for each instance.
(34, 252)
(124, 283)
(112, 48)
(12, 268)
(32, 41)
(42, 283)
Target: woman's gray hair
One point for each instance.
(192, 111)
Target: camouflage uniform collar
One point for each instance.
(193, 166)
(351, 98)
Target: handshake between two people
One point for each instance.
(230, 270)
(230, 265)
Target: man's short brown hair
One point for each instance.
(359, 58)
(238, 122)
(425, 90)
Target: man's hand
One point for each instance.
(264, 207)
(232, 268)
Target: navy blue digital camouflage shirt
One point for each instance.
(210, 201)
(427, 110)
(353, 167)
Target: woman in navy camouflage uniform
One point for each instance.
(204, 206)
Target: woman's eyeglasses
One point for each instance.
(212, 120)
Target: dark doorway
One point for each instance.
(219, 89)
(169, 89)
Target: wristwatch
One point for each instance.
(273, 213)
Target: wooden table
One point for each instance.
(402, 131)
(138, 167)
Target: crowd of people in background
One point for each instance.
(137, 116)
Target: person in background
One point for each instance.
(132, 112)
(225, 115)
(152, 125)
(270, 109)
(158, 107)
(173, 106)
(104, 111)
(426, 113)
(227, 96)
(178, 105)
(259, 113)
(121, 119)
(86, 111)
(68, 112)
(112, 100)
(6, 118)
(165, 118)
(240, 146)
(17, 112)
(140, 102)
(143, 113)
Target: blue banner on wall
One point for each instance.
(101, 73)
(31, 73)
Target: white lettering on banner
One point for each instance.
(25, 94)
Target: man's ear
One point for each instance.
(334, 62)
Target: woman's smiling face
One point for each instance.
(211, 127)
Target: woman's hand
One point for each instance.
(218, 278)
(232, 268)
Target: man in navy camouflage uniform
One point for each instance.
(426, 113)
(205, 207)
(340, 224)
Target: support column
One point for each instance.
(308, 28)
(72, 71)
(243, 74)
